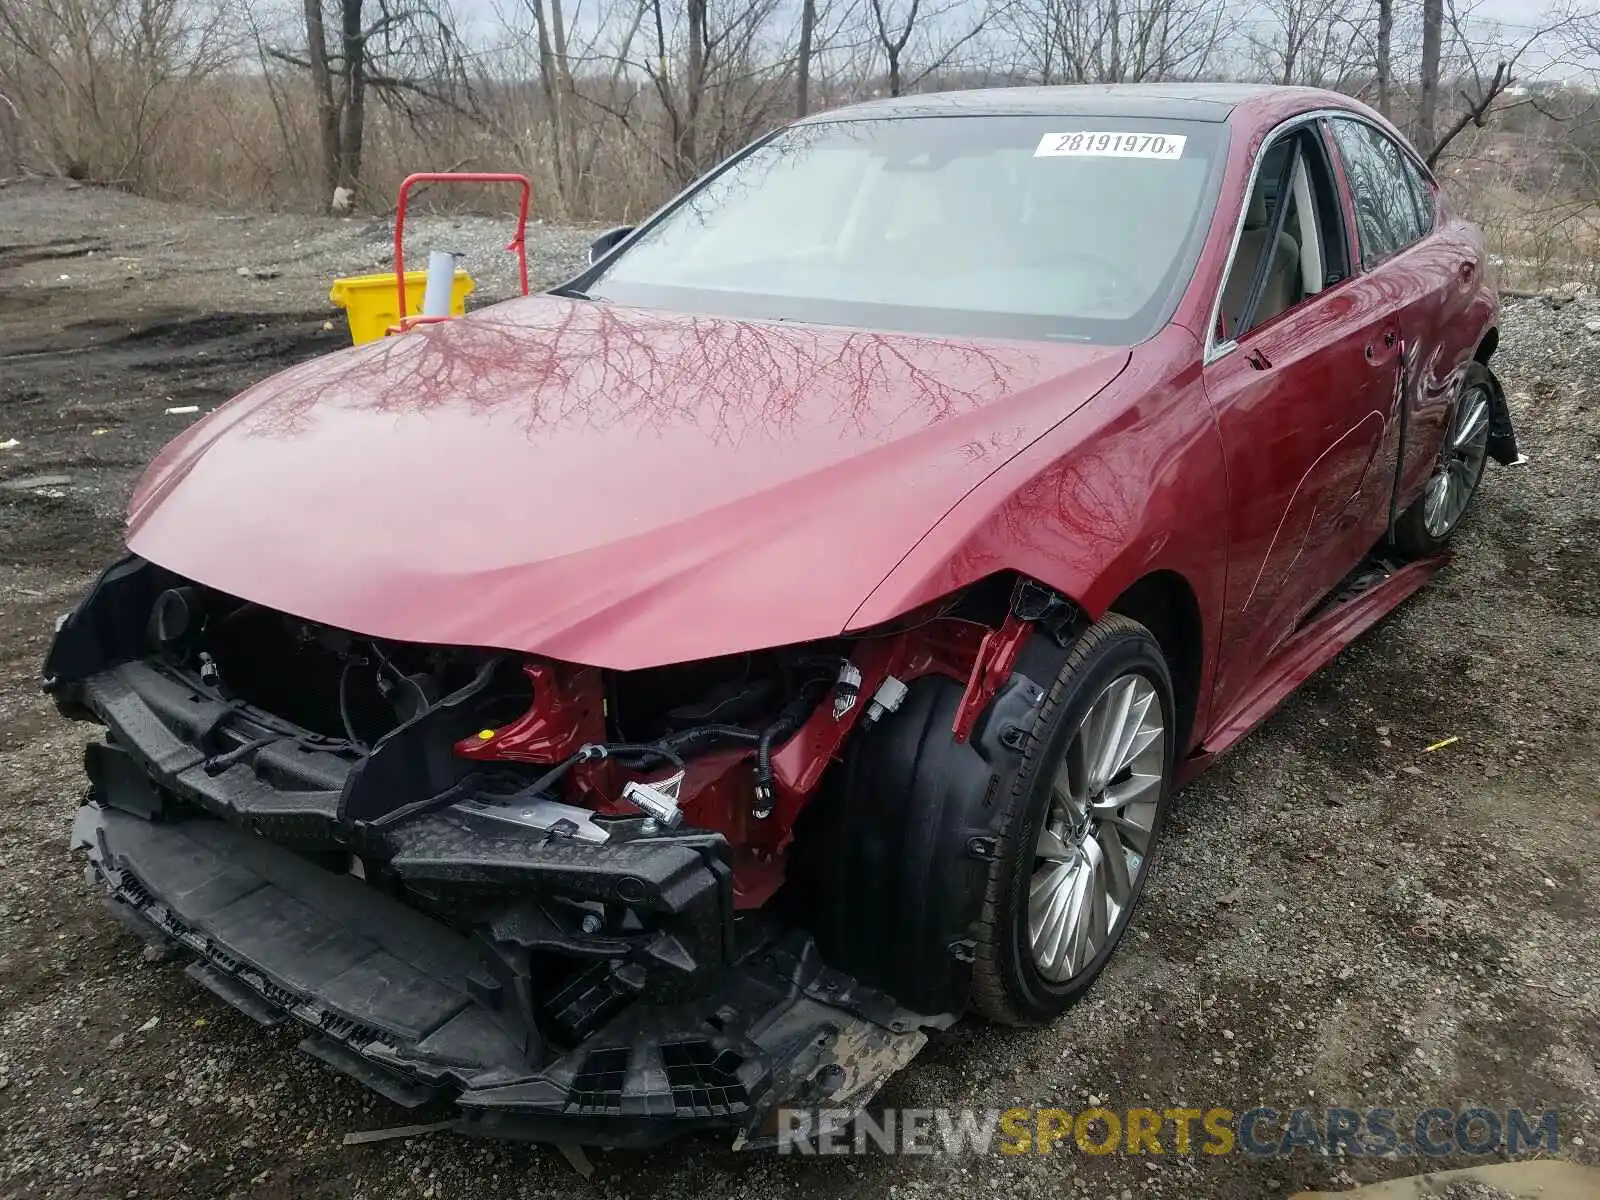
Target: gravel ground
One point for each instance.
(1340, 916)
(55, 240)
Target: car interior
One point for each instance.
(1305, 255)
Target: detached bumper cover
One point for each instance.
(405, 1005)
(204, 820)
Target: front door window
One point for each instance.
(1291, 244)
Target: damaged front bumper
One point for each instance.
(225, 839)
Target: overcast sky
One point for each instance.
(1512, 11)
(1519, 12)
(1517, 20)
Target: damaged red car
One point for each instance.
(630, 709)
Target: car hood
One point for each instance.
(598, 484)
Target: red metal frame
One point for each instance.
(568, 710)
(718, 787)
(518, 244)
(996, 656)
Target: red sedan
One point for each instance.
(634, 707)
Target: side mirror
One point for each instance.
(603, 244)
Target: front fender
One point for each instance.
(1131, 484)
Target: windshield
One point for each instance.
(1009, 226)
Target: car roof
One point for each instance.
(1211, 102)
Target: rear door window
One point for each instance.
(1422, 189)
(1388, 216)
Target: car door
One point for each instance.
(1304, 392)
(1423, 271)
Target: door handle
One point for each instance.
(1389, 336)
(1467, 270)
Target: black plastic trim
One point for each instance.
(396, 1000)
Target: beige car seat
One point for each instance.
(1282, 288)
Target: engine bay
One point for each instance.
(735, 746)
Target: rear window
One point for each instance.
(1021, 226)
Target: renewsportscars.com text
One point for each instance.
(1261, 1131)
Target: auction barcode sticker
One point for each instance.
(1110, 145)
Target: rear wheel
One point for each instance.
(1426, 526)
(1084, 817)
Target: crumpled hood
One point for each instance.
(598, 484)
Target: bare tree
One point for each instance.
(894, 26)
(1318, 43)
(405, 52)
(713, 75)
(92, 85)
(555, 81)
(838, 51)
(802, 65)
(1382, 67)
(893, 36)
(1423, 132)
(1116, 41)
(1558, 38)
(557, 88)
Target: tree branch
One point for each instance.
(1475, 113)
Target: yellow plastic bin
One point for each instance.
(372, 305)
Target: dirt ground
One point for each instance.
(1340, 916)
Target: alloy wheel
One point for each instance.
(1095, 842)
(1466, 442)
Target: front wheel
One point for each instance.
(1084, 817)
(1425, 527)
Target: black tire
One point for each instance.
(1413, 537)
(1006, 985)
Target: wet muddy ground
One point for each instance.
(1339, 917)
